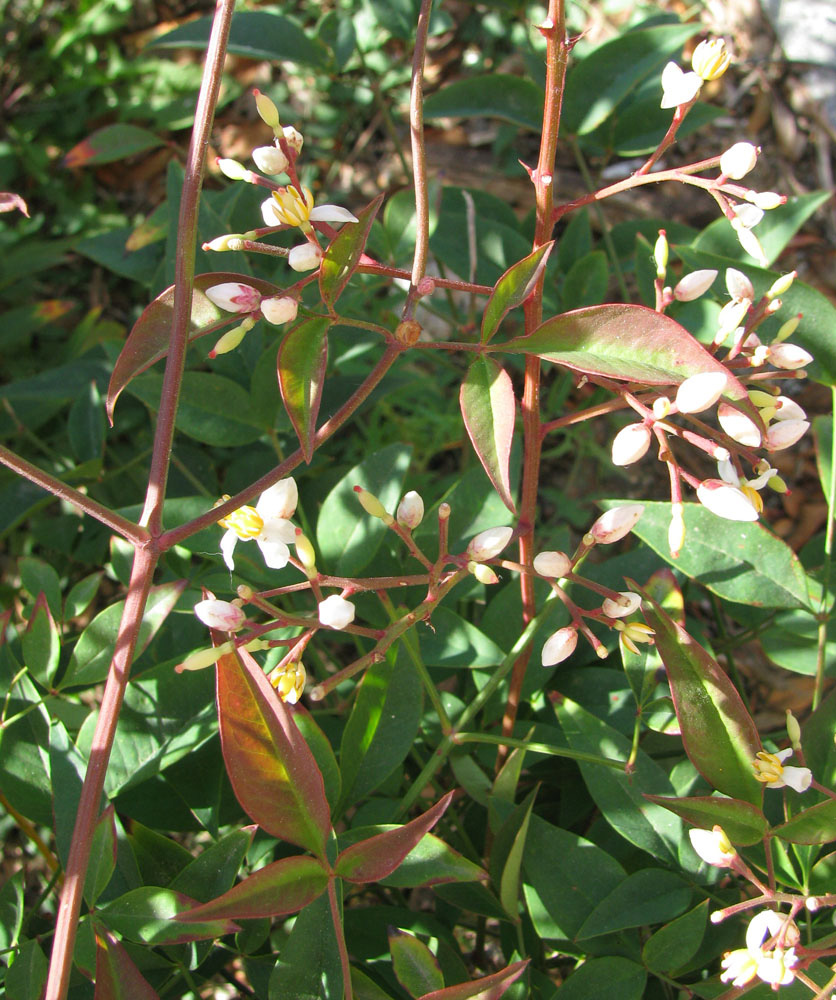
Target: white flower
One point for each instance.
(749, 487)
(233, 296)
(747, 215)
(554, 564)
(713, 846)
(631, 444)
(270, 160)
(336, 612)
(693, 285)
(787, 409)
(304, 257)
(711, 58)
(559, 646)
(626, 604)
(770, 769)
(291, 207)
(726, 501)
(738, 426)
(785, 433)
(788, 356)
(489, 543)
(614, 524)
(678, 87)
(775, 966)
(410, 512)
(739, 286)
(268, 523)
(750, 243)
(701, 391)
(738, 160)
(739, 967)
(293, 138)
(279, 309)
(289, 681)
(220, 615)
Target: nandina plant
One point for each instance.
(459, 744)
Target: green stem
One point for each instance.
(340, 933)
(546, 748)
(821, 651)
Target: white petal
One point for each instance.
(693, 285)
(227, 545)
(738, 426)
(336, 612)
(789, 356)
(797, 778)
(678, 87)
(269, 214)
(220, 615)
(332, 213)
(788, 410)
(763, 925)
(276, 554)
(279, 500)
(630, 444)
(728, 473)
(489, 543)
(559, 646)
(726, 501)
(621, 609)
(701, 391)
(614, 524)
(785, 434)
(555, 564)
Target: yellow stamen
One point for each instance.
(753, 497)
(768, 768)
(246, 522)
(293, 208)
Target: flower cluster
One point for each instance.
(769, 953)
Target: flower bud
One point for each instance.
(614, 524)
(410, 511)
(701, 391)
(289, 681)
(267, 110)
(232, 338)
(484, 574)
(781, 285)
(693, 285)
(293, 138)
(631, 444)
(553, 564)
(270, 160)
(713, 846)
(305, 552)
(676, 529)
(660, 254)
(221, 243)
(726, 501)
(304, 257)
(793, 731)
(559, 646)
(766, 200)
(750, 243)
(627, 603)
(220, 615)
(711, 58)
(371, 505)
(738, 426)
(202, 658)
(661, 407)
(279, 309)
(788, 409)
(336, 612)
(738, 160)
(232, 169)
(739, 286)
(489, 543)
(787, 329)
(233, 296)
(785, 433)
(747, 215)
(788, 356)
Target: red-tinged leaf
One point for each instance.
(489, 409)
(816, 825)
(486, 988)
(117, 978)
(10, 201)
(718, 733)
(148, 341)
(113, 142)
(513, 288)
(301, 363)
(375, 858)
(40, 642)
(415, 966)
(744, 823)
(272, 770)
(344, 252)
(282, 887)
(148, 916)
(626, 342)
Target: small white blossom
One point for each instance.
(747, 215)
(693, 285)
(775, 965)
(336, 612)
(270, 160)
(726, 501)
(559, 646)
(738, 160)
(627, 603)
(678, 87)
(788, 356)
(750, 243)
(268, 523)
(767, 200)
(232, 296)
(713, 846)
(700, 392)
(410, 512)
(785, 433)
(220, 615)
(553, 564)
(614, 524)
(305, 257)
(489, 543)
(711, 58)
(279, 309)
(738, 426)
(631, 444)
(739, 286)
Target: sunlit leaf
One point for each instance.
(513, 288)
(744, 823)
(301, 363)
(344, 252)
(489, 409)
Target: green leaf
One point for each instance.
(301, 362)
(675, 944)
(270, 766)
(743, 823)
(92, 654)
(455, 642)
(432, 862)
(510, 846)
(816, 825)
(214, 869)
(382, 726)
(596, 85)
(347, 537)
(587, 280)
(38, 577)
(117, 977)
(81, 595)
(309, 965)
(823, 436)
(486, 988)
(148, 916)
(601, 977)
(254, 34)
(648, 896)
(489, 410)
(282, 887)
(113, 142)
(817, 740)
(86, 425)
(102, 857)
(41, 643)
(343, 254)
(26, 977)
(718, 733)
(323, 754)
(499, 95)
(213, 409)
(737, 561)
(513, 288)
(26, 780)
(415, 966)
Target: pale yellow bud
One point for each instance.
(660, 254)
(267, 110)
(371, 505)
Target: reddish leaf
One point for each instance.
(415, 966)
(816, 825)
(148, 340)
(301, 363)
(375, 858)
(718, 733)
(486, 988)
(744, 823)
(41, 642)
(489, 409)
(626, 342)
(113, 142)
(282, 887)
(344, 252)
(10, 201)
(117, 978)
(272, 770)
(513, 288)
